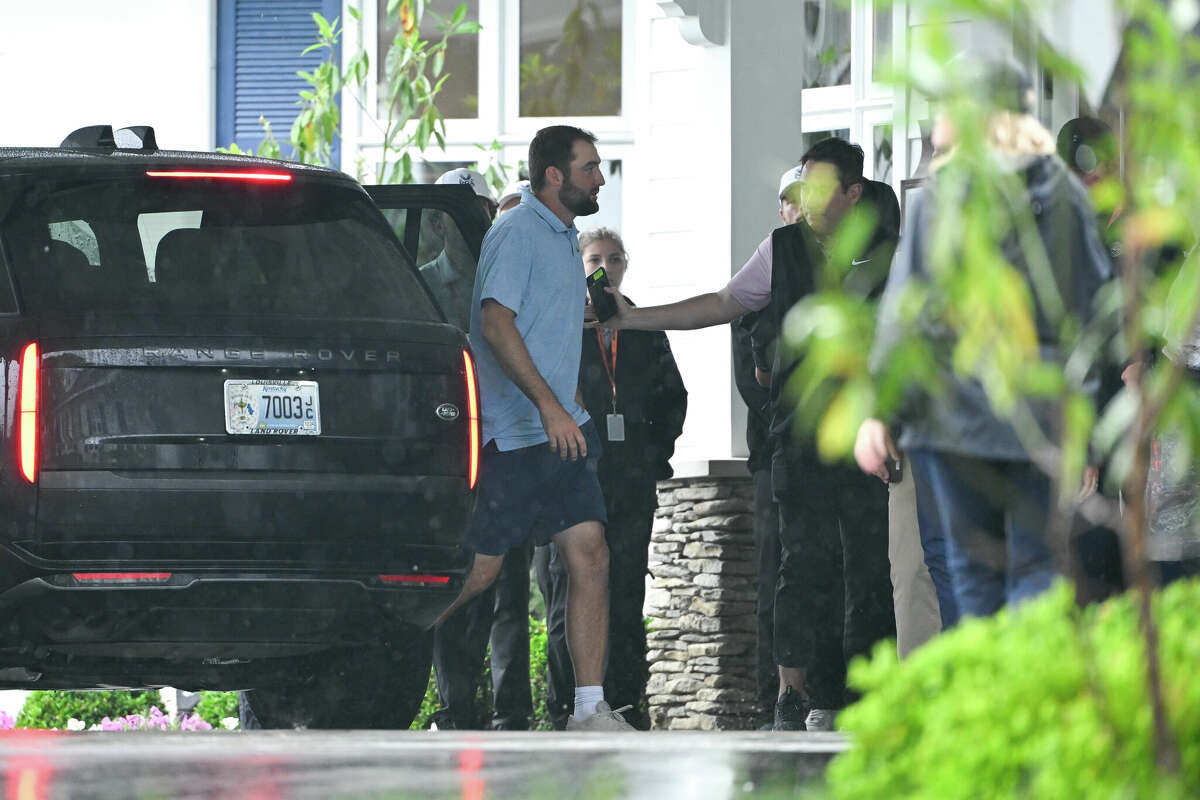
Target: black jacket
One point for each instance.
(961, 419)
(653, 401)
(795, 271)
(756, 397)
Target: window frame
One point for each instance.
(603, 126)
(862, 104)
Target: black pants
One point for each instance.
(500, 614)
(834, 596)
(766, 540)
(626, 671)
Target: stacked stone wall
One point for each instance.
(701, 606)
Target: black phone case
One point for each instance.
(602, 302)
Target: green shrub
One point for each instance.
(1045, 701)
(52, 709)
(216, 706)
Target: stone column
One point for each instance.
(701, 606)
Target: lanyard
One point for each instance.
(610, 369)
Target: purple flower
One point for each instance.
(194, 722)
(7, 722)
(107, 724)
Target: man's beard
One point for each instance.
(577, 201)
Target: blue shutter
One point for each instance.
(258, 53)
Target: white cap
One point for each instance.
(467, 177)
(792, 176)
(512, 190)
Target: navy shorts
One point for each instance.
(532, 491)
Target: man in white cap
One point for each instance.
(511, 198)
(499, 616)
(478, 183)
(451, 276)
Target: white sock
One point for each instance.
(586, 698)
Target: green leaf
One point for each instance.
(459, 15)
(439, 60)
(354, 12)
(323, 26)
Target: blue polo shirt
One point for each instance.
(530, 263)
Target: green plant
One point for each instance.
(216, 706)
(1042, 701)
(414, 75)
(53, 709)
(580, 74)
(983, 310)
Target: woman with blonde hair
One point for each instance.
(991, 497)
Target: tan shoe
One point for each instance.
(605, 719)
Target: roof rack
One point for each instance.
(102, 137)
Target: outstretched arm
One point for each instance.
(701, 311)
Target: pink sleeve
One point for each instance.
(751, 286)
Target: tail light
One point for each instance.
(121, 577)
(28, 404)
(472, 420)
(435, 580)
(258, 177)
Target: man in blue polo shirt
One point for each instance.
(537, 473)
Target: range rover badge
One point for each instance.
(447, 412)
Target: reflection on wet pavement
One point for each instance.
(462, 766)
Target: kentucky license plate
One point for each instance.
(279, 408)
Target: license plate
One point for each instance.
(274, 408)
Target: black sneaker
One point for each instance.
(789, 711)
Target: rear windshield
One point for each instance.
(180, 245)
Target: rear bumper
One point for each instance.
(202, 624)
(314, 520)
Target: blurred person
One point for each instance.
(451, 275)
(1089, 149)
(833, 596)
(538, 467)
(750, 331)
(632, 383)
(992, 499)
(922, 590)
(499, 617)
(510, 198)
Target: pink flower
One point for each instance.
(107, 724)
(7, 722)
(194, 723)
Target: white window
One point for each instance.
(847, 53)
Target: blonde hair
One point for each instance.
(588, 238)
(1017, 134)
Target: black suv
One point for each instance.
(240, 440)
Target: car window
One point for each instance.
(153, 226)
(447, 264)
(171, 245)
(78, 234)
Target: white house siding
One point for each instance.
(70, 63)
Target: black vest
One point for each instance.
(796, 261)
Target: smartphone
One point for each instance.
(895, 468)
(602, 302)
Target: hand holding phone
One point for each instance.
(603, 302)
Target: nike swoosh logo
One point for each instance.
(860, 261)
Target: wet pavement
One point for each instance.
(401, 764)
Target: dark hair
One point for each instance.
(846, 158)
(551, 147)
(1086, 143)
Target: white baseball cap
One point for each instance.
(467, 177)
(792, 176)
(513, 190)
